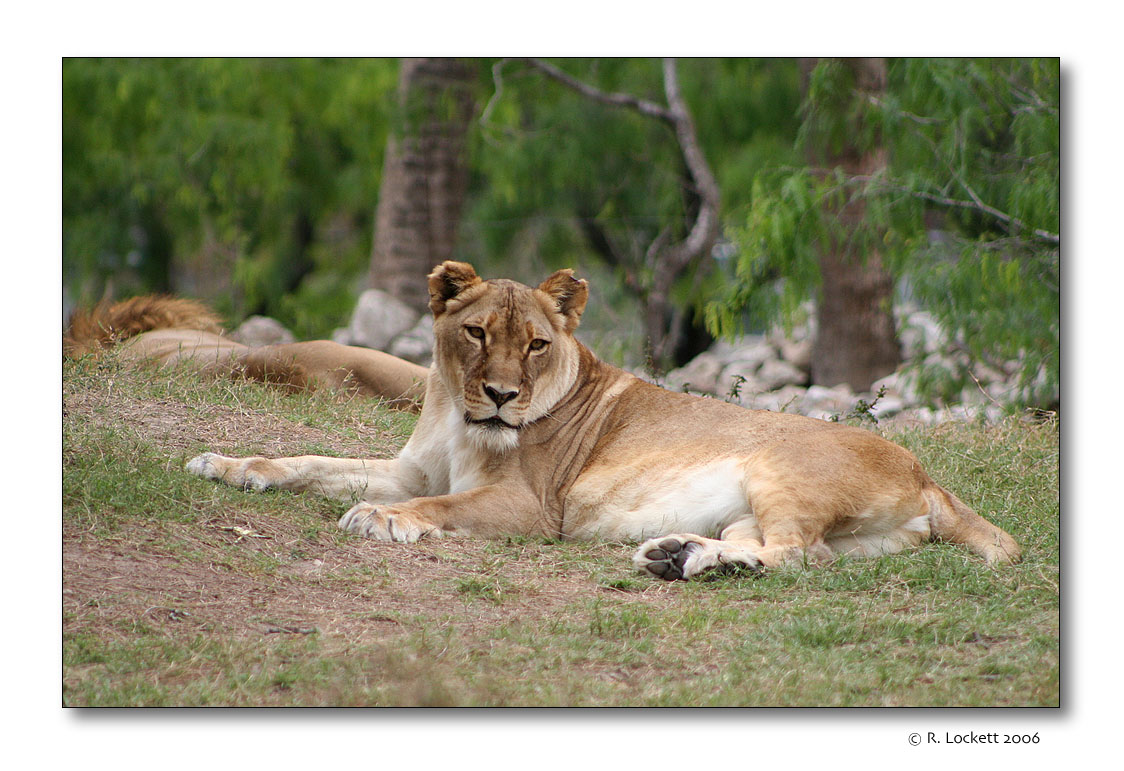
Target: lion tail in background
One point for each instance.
(91, 331)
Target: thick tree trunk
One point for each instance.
(856, 341)
(424, 178)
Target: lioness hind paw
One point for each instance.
(666, 559)
(676, 557)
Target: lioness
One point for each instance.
(524, 431)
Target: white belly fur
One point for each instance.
(647, 503)
(881, 536)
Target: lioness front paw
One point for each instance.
(206, 465)
(248, 473)
(387, 523)
(676, 557)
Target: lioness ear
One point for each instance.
(569, 295)
(447, 281)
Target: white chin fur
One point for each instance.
(493, 439)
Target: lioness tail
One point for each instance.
(950, 519)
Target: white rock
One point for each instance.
(787, 399)
(900, 384)
(953, 362)
(797, 353)
(921, 334)
(830, 400)
(971, 395)
(416, 344)
(887, 406)
(892, 383)
(776, 373)
(747, 388)
(795, 346)
(1003, 391)
(750, 350)
(379, 318)
(699, 374)
(747, 371)
(987, 375)
(261, 330)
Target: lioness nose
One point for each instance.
(500, 397)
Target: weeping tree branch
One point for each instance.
(976, 203)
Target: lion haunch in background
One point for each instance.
(524, 431)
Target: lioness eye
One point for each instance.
(538, 345)
(476, 332)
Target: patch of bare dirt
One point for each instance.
(187, 578)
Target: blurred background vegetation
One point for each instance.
(255, 184)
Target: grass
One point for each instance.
(178, 591)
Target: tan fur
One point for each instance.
(169, 330)
(525, 431)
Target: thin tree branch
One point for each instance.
(497, 80)
(918, 119)
(705, 229)
(616, 99)
(976, 204)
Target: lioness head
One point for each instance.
(505, 352)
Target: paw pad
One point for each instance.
(668, 558)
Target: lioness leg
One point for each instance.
(489, 511)
(835, 492)
(346, 479)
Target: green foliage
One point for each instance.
(966, 211)
(834, 120)
(863, 411)
(252, 173)
(564, 178)
(252, 183)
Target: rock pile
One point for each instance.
(772, 372)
